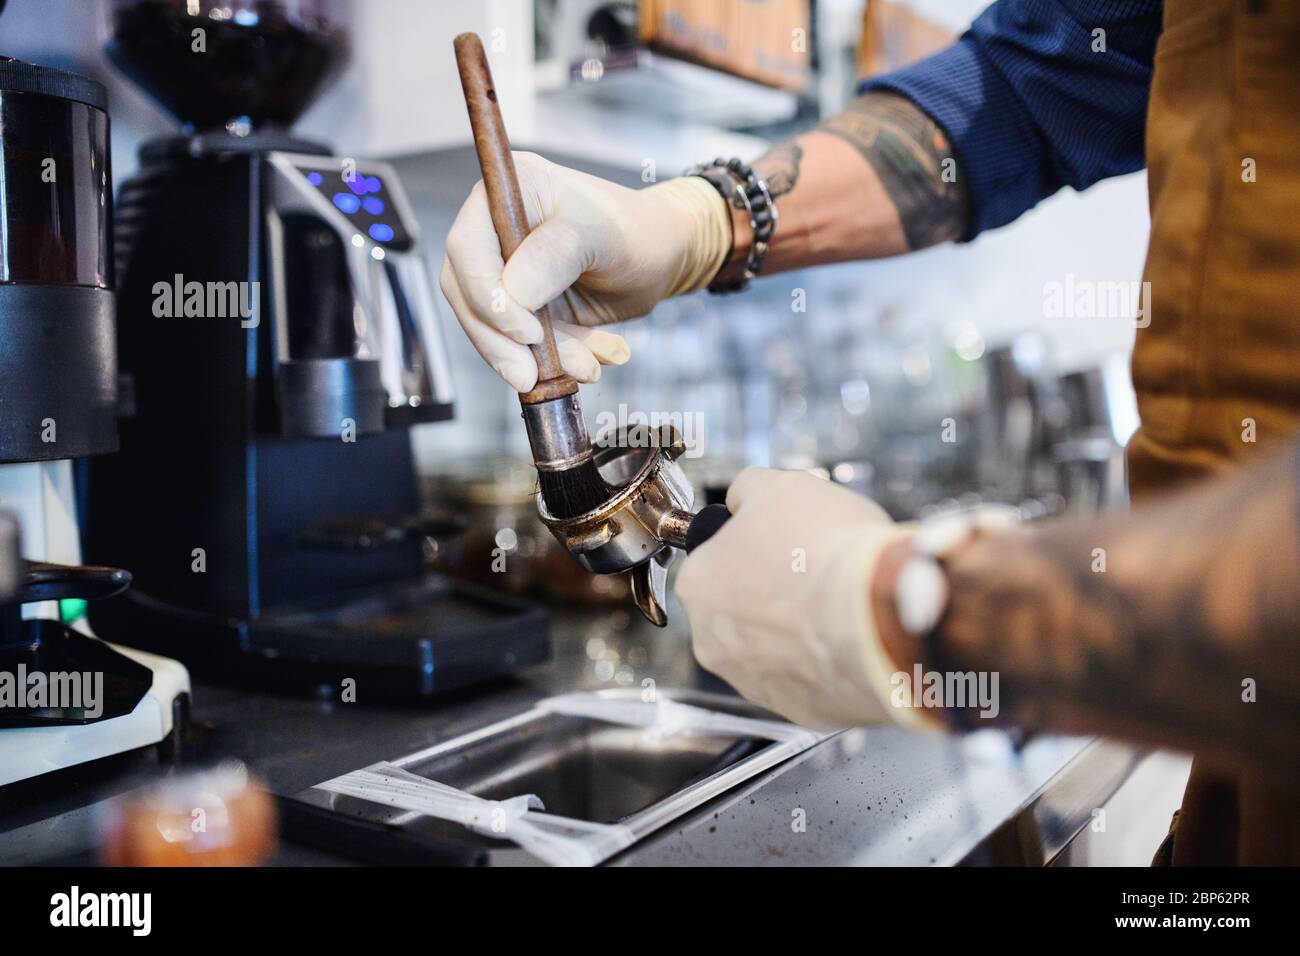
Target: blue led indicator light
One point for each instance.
(347, 203)
(315, 178)
(373, 205)
(381, 232)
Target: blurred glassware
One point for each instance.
(814, 370)
(505, 545)
(221, 816)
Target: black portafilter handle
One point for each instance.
(688, 531)
(31, 582)
(705, 525)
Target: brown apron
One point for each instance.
(1217, 370)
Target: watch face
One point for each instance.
(365, 200)
(920, 594)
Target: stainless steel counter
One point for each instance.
(868, 796)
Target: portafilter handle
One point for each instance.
(686, 531)
(679, 530)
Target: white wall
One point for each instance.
(402, 93)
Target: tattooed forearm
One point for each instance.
(1176, 625)
(878, 180)
(780, 167)
(915, 163)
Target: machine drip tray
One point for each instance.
(413, 638)
(441, 634)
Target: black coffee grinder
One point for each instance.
(66, 697)
(278, 338)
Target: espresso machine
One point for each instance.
(278, 338)
(66, 697)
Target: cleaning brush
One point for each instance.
(567, 475)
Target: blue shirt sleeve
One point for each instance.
(1031, 104)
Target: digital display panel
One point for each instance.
(363, 198)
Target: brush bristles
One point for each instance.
(573, 492)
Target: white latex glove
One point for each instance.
(778, 601)
(598, 253)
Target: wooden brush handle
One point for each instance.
(505, 201)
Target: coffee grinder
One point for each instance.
(278, 338)
(66, 697)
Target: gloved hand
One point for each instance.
(598, 253)
(778, 601)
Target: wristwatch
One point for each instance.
(921, 591)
